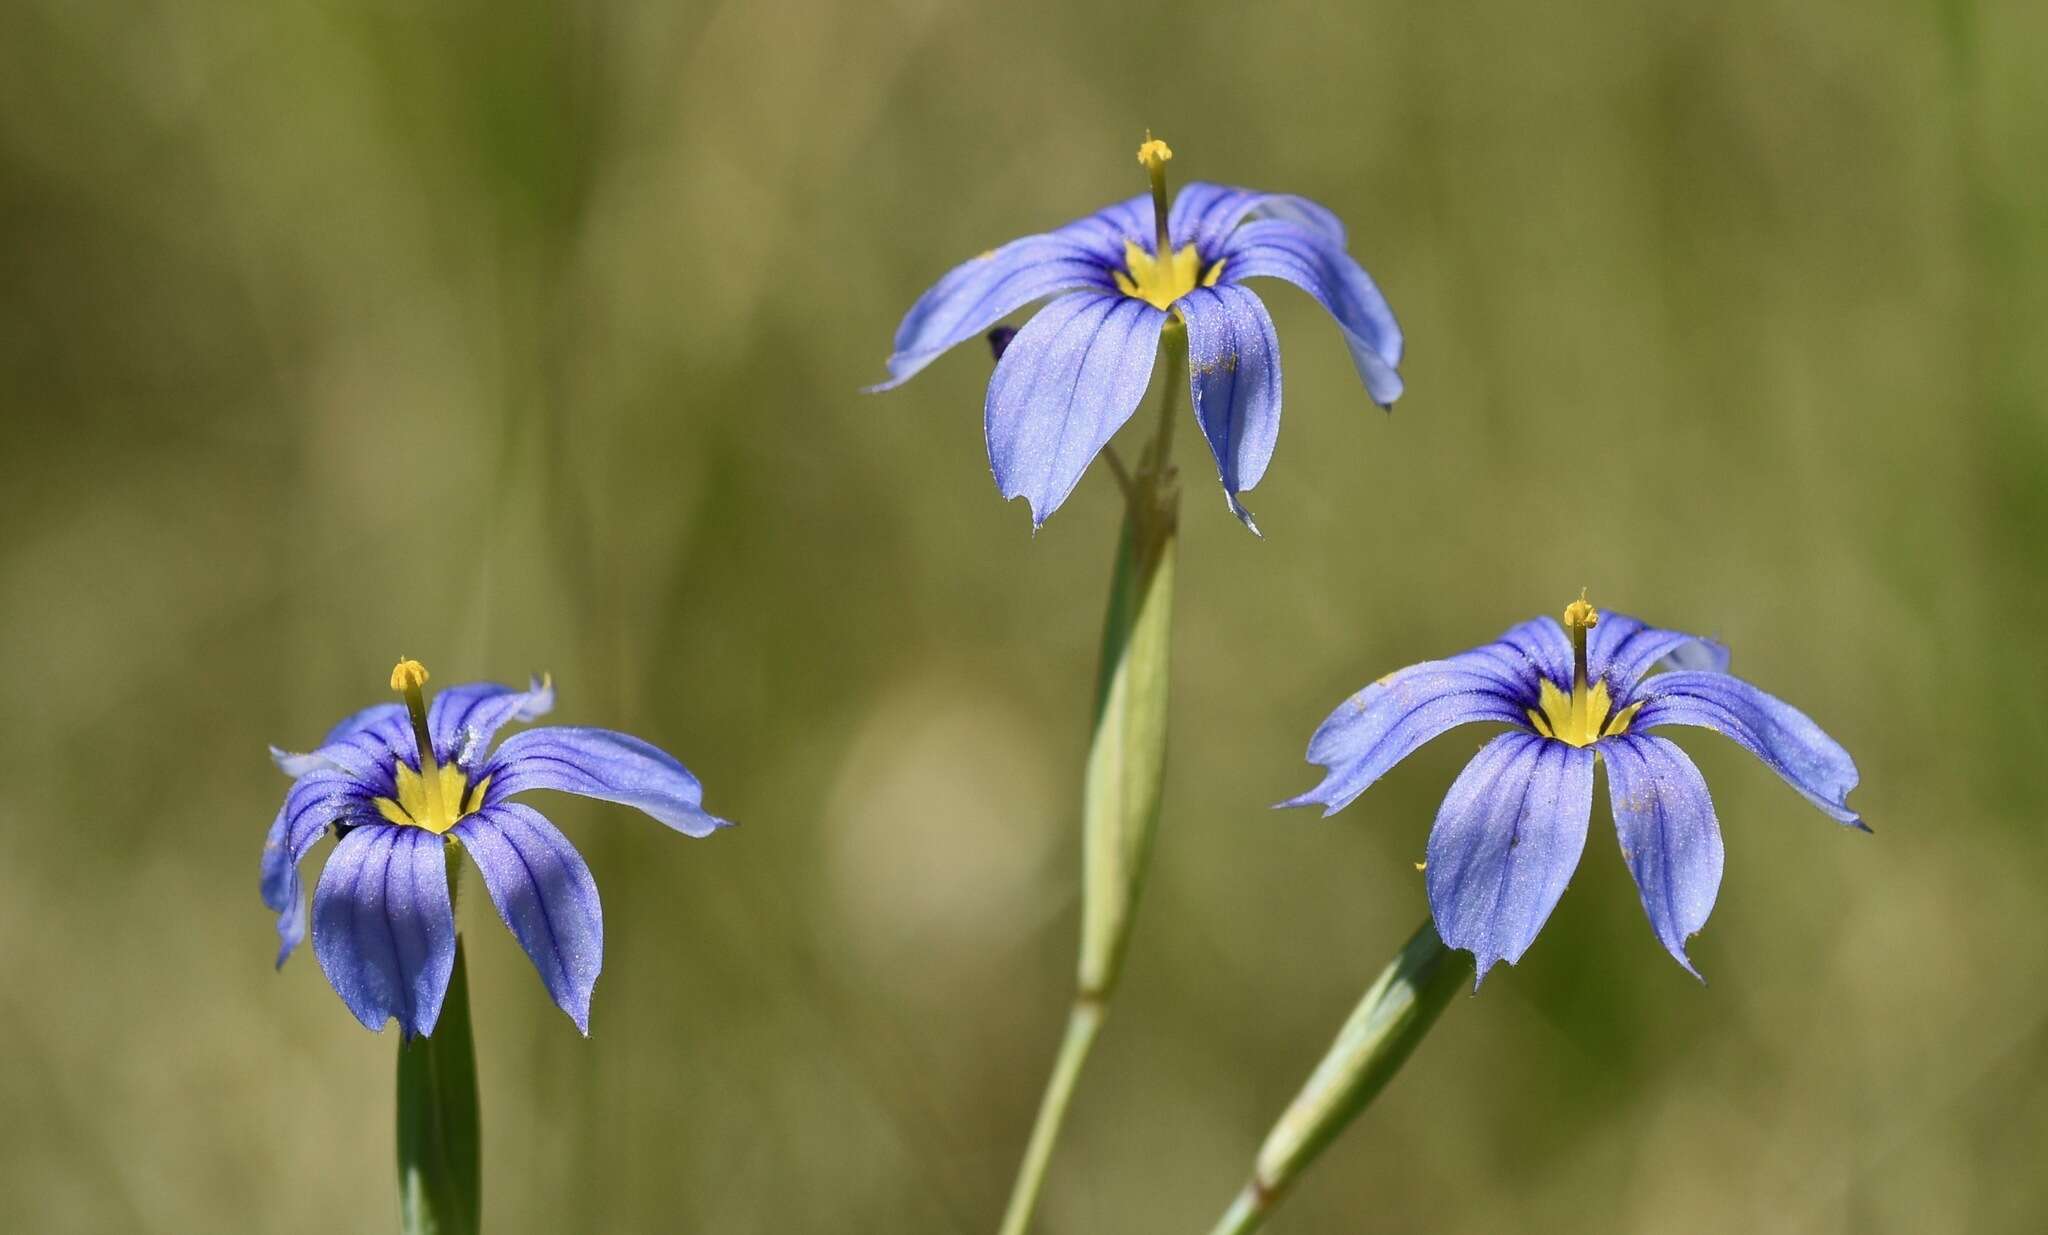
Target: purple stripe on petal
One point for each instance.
(1389, 720)
(545, 895)
(364, 746)
(1622, 649)
(1665, 821)
(977, 294)
(376, 716)
(316, 801)
(1318, 264)
(599, 763)
(1234, 374)
(383, 927)
(1541, 647)
(1506, 842)
(1103, 234)
(1787, 741)
(1205, 214)
(463, 719)
(1065, 385)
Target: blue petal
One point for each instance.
(463, 719)
(1668, 835)
(383, 927)
(1317, 263)
(1506, 842)
(598, 763)
(1066, 384)
(546, 896)
(1103, 234)
(1622, 649)
(1234, 373)
(364, 746)
(1788, 742)
(375, 716)
(318, 800)
(977, 294)
(1540, 647)
(1205, 214)
(1388, 720)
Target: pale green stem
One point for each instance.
(1397, 1011)
(439, 1136)
(1126, 767)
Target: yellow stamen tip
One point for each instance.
(1154, 153)
(408, 675)
(1579, 615)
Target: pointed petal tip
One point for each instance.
(1243, 516)
(1858, 824)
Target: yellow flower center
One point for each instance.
(416, 807)
(1555, 718)
(1580, 717)
(1159, 283)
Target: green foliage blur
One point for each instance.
(528, 336)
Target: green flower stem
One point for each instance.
(439, 1164)
(1396, 1012)
(1126, 765)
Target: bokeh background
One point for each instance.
(528, 335)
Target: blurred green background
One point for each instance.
(528, 336)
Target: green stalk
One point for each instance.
(1396, 1012)
(439, 1163)
(1126, 766)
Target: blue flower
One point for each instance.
(1074, 374)
(1510, 832)
(400, 783)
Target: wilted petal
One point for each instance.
(383, 928)
(1316, 262)
(1672, 844)
(1065, 385)
(546, 896)
(1234, 374)
(1788, 742)
(1506, 842)
(599, 763)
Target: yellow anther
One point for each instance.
(1154, 153)
(408, 675)
(1579, 615)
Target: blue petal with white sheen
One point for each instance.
(383, 927)
(1316, 262)
(545, 895)
(1783, 737)
(1389, 720)
(1622, 649)
(1664, 818)
(979, 293)
(1234, 376)
(464, 719)
(1065, 385)
(1205, 215)
(316, 801)
(1506, 841)
(603, 764)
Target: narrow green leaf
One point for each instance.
(1127, 753)
(439, 1165)
(1397, 1011)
